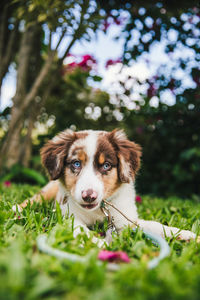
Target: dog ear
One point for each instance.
(128, 154)
(55, 151)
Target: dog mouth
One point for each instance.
(89, 205)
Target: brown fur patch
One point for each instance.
(77, 152)
(50, 190)
(55, 151)
(76, 149)
(70, 180)
(65, 199)
(106, 153)
(81, 134)
(128, 153)
(48, 193)
(101, 158)
(82, 156)
(106, 150)
(111, 182)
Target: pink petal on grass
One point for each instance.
(113, 256)
(123, 256)
(7, 183)
(138, 199)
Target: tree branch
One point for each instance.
(3, 29)
(77, 33)
(50, 40)
(30, 97)
(9, 52)
(37, 83)
(24, 59)
(60, 39)
(10, 45)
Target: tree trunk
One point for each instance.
(25, 98)
(9, 39)
(10, 148)
(26, 146)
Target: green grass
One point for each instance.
(25, 273)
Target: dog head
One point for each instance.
(91, 164)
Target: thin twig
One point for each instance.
(113, 206)
(60, 39)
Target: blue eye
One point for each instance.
(106, 166)
(76, 164)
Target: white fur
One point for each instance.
(88, 179)
(123, 198)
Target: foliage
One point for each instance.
(28, 274)
(62, 23)
(169, 130)
(171, 151)
(168, 133)
(21, 174)
(77, 105)
(169, 136)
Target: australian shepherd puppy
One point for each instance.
(89, 166)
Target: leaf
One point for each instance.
(18, 171)
(97, 78)
(31, 7)
(42, 284)
(196, 226)
(39, 178)
(42, 18)
(59, 213)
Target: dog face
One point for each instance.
(91, 164)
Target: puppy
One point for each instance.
(89, 166)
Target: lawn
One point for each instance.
(25, 273)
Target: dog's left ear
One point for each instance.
(128, 154)
(55, 151)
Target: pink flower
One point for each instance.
(7, 183)
(151, 91)
(196, 80)
(111, 62)
(106, 25)
(85, 62)
(138, 199)
(70, 54)
(72, 65)
(113, 256)
(139, 130)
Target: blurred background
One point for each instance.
(101, 65)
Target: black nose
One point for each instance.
(89, 195)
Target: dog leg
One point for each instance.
(77, 230)
(48, 192)
(163, 230)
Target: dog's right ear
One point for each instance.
(54, 152)
(128, 154)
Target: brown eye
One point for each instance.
(76, 164)
(106, 166)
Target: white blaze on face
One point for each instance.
(88, 179)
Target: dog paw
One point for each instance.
(16, 208)
(99, 242)
(187, 235)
